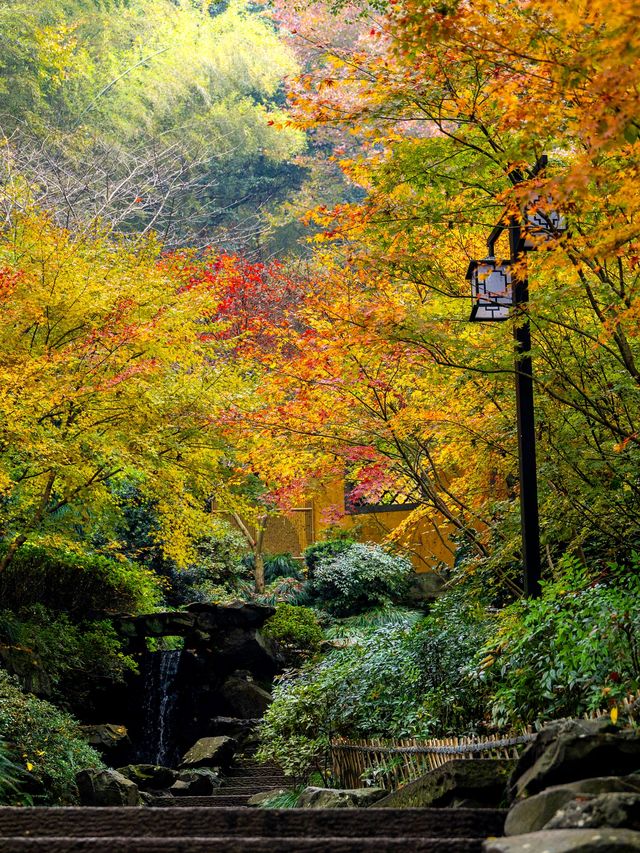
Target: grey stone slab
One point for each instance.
(533, 813)
(568, 841)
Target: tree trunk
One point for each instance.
(20, 540)
(259, 557)
(259, 571)
(12, 550)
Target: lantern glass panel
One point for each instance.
(544, 223)
(491, 291)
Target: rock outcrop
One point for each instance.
(209, 752)
(149, 777)
(571, 750)
(340, 798)
(106, 788)
(568, 841)
(534, 813)
(468, 783)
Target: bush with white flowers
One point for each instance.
(359, 578)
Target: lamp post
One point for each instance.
(500, 289)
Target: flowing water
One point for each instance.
(160, 673)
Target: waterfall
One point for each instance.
(160, 671)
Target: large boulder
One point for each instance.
(149, 777)
(568, 841)
(171, 623)
(340, 798)
(238, 614)
(244, 698)
(611, 810)
(263, 797)
(209, 752)
(534, 813)
(106, 788)
(232, 634)
(569, 750)
(201, 782)
(109, 739)
(468, 783)
(244, 731)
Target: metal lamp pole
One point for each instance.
(526, 428)
(497, 288)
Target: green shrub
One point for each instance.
(12, 780)
(358, 578)
(75, 658)
(45, 741)
(410, 676)
(281, 590)
(446, 643)
(275, 566)
(82, 585)
(574, 649)
(219, 565)
(296, 630)
(281, 566)
(287, 799)
(368, 688)
(325, 551)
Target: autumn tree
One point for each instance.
(452, 104)
(113, 365)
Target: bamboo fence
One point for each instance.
(393, 763)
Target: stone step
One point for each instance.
(262, 777)
(187, 822)
(211, 801)
(257, 785)
(240, 845)
(268, 767)
(258, 765)
(250, 790)
(245, 790)
(254, 774)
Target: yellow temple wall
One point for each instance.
(427, 543)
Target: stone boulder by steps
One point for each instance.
(244, 731)
(570, 750)
(534, 813)
(568, 841)
(611, 810)
(110, 740)
(258, 800)
(201, 782)
(340, 798)
(149, 777)
(243, 698)
(106, 788)
(235, 727)
(466, 783)
(209, 752)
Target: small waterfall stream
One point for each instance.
(160, 673)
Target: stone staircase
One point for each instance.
(222, 823)
(245, 778)
(220, 829)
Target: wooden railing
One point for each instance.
(393, 763)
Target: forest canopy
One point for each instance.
(151, 115)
